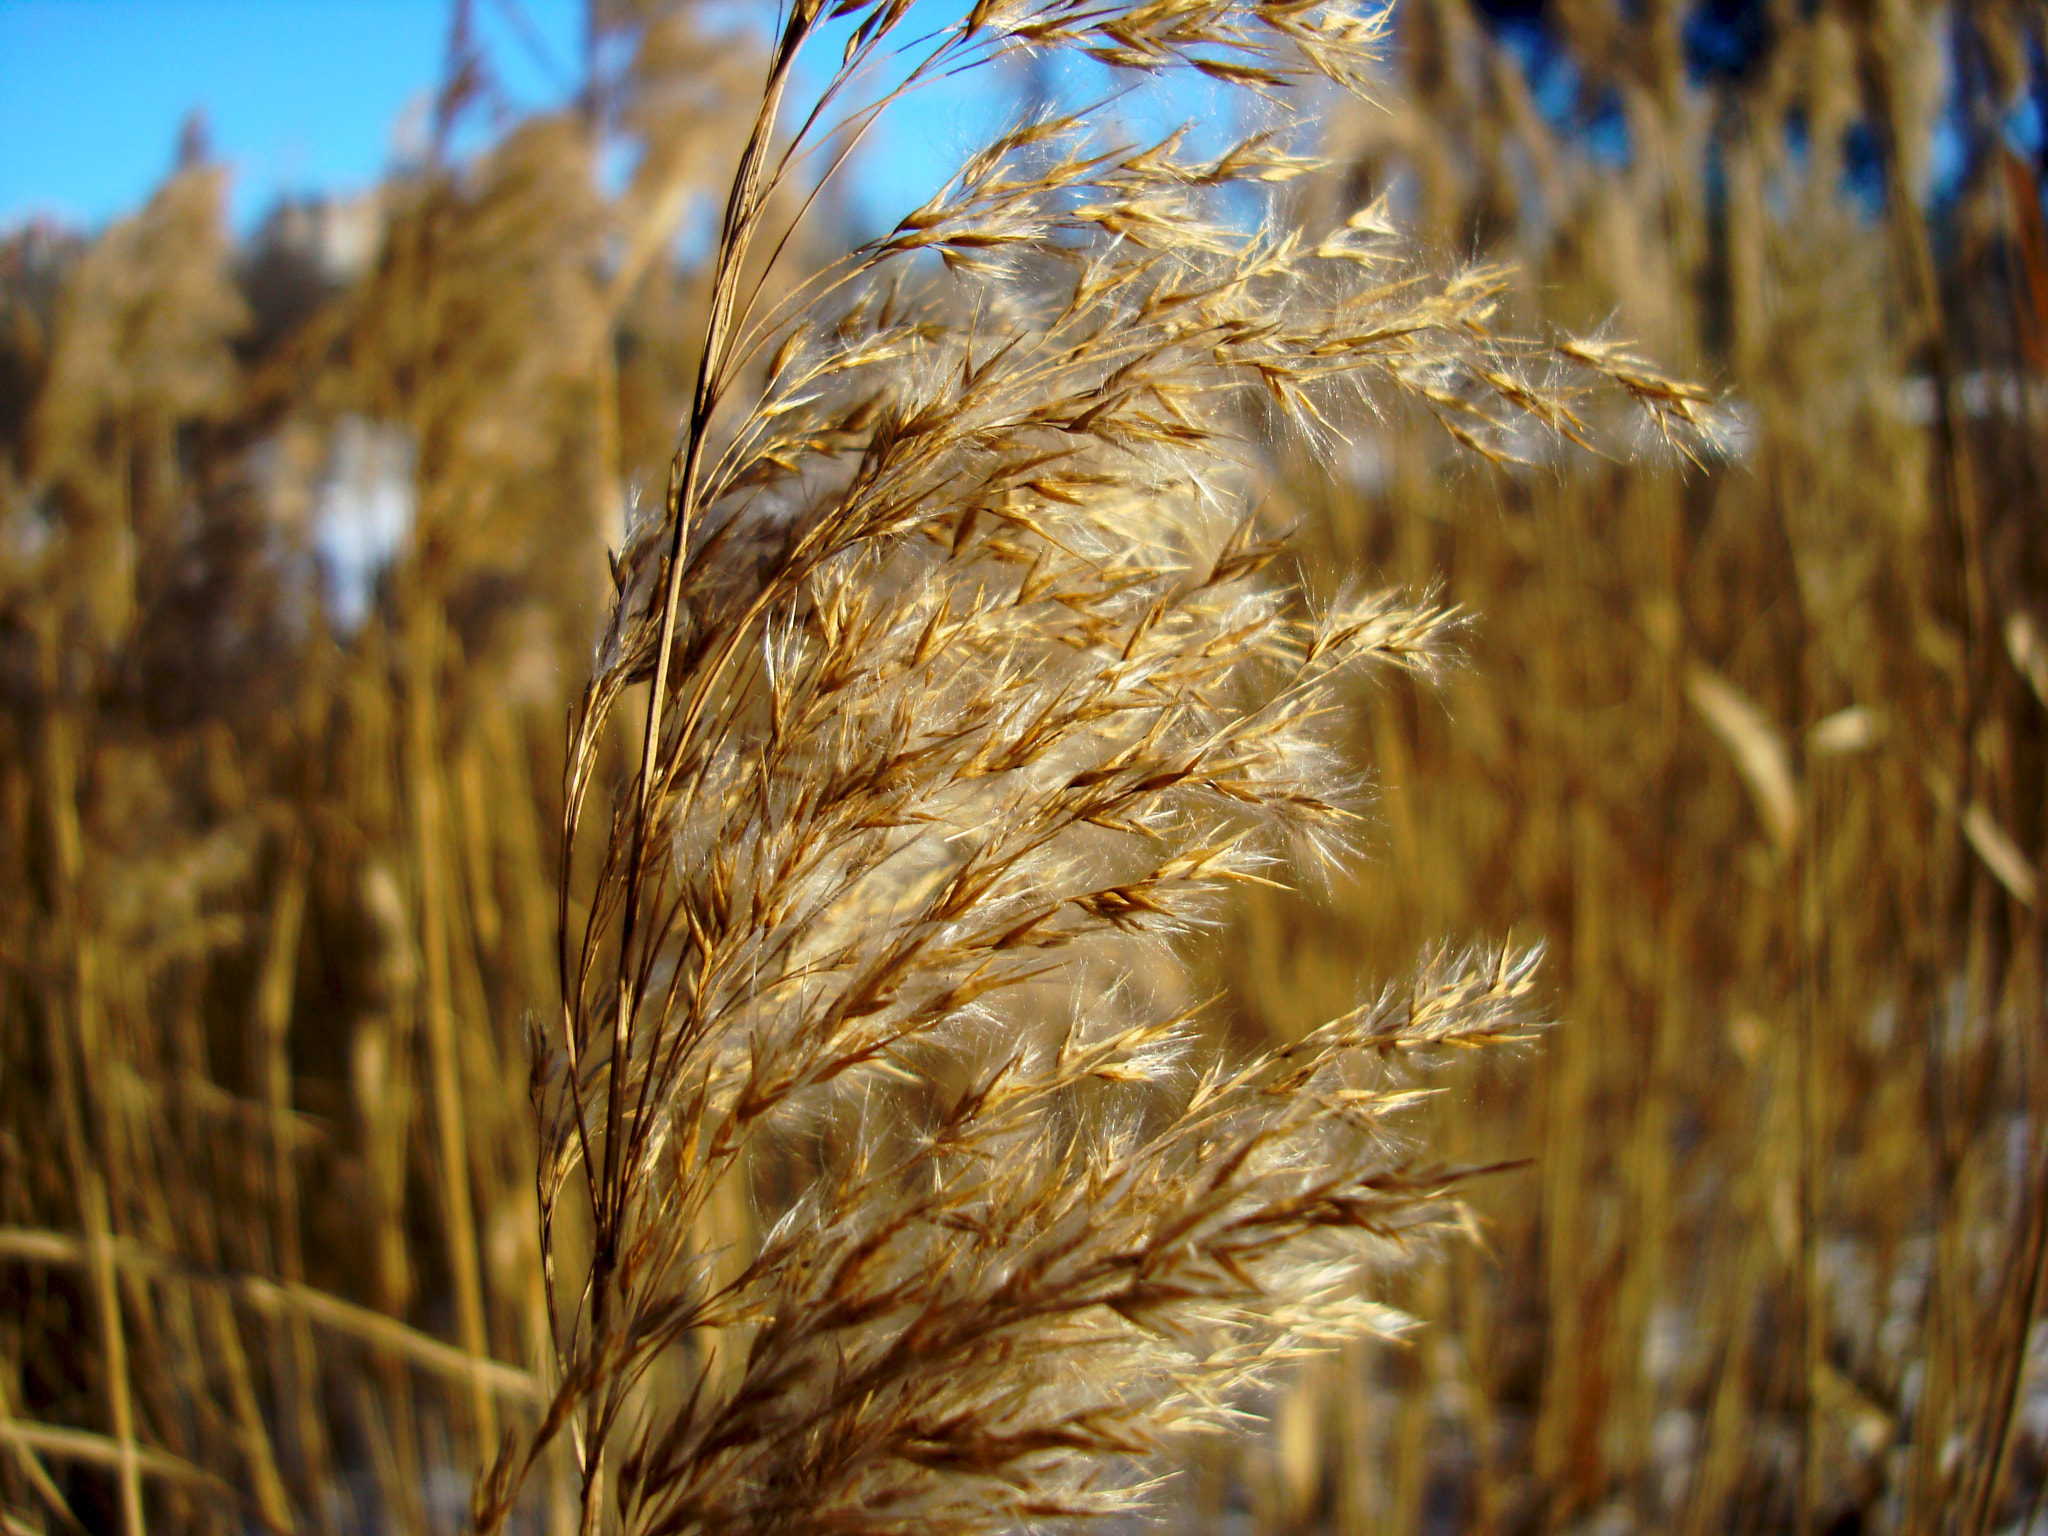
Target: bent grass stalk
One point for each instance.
(975, 689)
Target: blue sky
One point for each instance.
(300, 95)
(313, 95)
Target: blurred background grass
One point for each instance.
(301, 555)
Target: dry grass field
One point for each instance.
(1200, 843)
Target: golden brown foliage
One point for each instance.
(1757, 754)
(891, 1176)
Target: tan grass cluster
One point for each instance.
(1758, 753)
(975, 684)
(1755, 752)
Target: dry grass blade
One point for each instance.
(271, 1297)
(1758, 748)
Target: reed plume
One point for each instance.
(977, 682)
